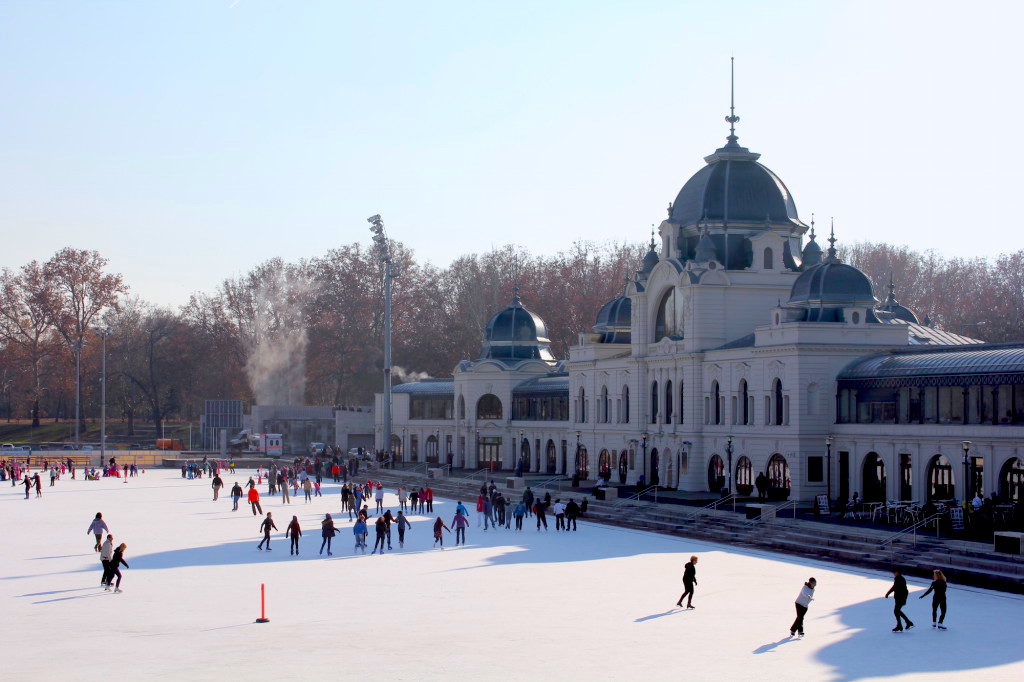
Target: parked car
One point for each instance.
(87, 448)
(7, 446)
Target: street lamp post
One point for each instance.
(728, 454)
(103, 332)
(383, 252)
(828, 464)
(78, 391)
(968, 483)
(644, 436)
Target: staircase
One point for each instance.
(963, 562)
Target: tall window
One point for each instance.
(716, 407)
(581, 410)
(682, 402)
(603, 417)
(744, 397)
(668, 402)
(769, 259)
(654, 402)
(777, 399)
(625, 404)
(488, 407)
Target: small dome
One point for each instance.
(812, 253)
(832, 284)
(892, 309)
(650, 260)
(516, 333)
(614, 320)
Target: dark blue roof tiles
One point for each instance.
(550, 384)
(833, 284)
(1006, 359)
(427, 387)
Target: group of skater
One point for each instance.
(111, 557)
(899, 592)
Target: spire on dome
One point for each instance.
(732, 119)
(832, 257)
(812, 252)
(515, 295)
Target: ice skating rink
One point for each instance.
(596, 604)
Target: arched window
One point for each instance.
(745, 400)
(716, 400)
(668, 402)
(462, 407)
(654, 402)
(488, 407)
(769, 259)
(603, 417)
(581, 408)
(625, 404)
(777, 400)
(1011, 481)
(669, 320)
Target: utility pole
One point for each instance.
(383, 251)
(78, 392)
(103, 332)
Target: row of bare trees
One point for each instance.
(311, 330)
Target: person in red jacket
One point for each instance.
(438, 535)
(294, 532)
(254, 501)
(479, 510)
(429, 493)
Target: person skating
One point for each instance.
(899, 593)
(236, 494)
(266, 526)
(282, 481)
(39, 485)
(803, 601)
(216, 484)
(559, 515)
(428, 494)
(572, 512)
(938, 591)
(378, 497)
(460, 523)
(359, 530)
(388, 519)
(106, 554)
(528, 500)
(380, 527)
(414, 499)
(488, 512)
(307, 488)
(327, 533)
(403, 524)
(97, 528)
(540, 509)
(519, 511)
(689, 581)
(114, 567)
(403, 498)
(480, 509)
(28, 485)
(254, 501)
(438, 535)
(294, 532)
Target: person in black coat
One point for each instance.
(327, 531)
(267, 524)
(572, 511)
(938, 591)
(689, 581)
(899, 593)
(114, 568)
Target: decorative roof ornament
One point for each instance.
(732, 119)
(652, 237)
(670, 209)
(832, 257)
(515, 295)
(705, 250)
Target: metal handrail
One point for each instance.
(635, 497)
(692, 515)
(554, 479)
(912, 530)
(778, 508)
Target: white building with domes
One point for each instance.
(740, 347)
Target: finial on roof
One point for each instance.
(832, 242)
(892, 288)
(732, 119)
(670, 209)
(515, 293)
(812, 227)
(652, 237)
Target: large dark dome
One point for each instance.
(515, 334)
(734, 188)
(614, 320)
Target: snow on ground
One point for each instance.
(596, 604)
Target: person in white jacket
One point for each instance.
(106, 554)
(803, 600)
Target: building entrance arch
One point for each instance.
(623, 466)
(552, 457)
(744, 476)
(941, 482)
(1011, 481)
(655, 478)
(778, 477)
(671, 470)
(716, 474)
(873, 479)
(582, 463)
(524, 455)
(604, 465)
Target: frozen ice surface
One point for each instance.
(595, 604)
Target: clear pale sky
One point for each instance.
(187, 141)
